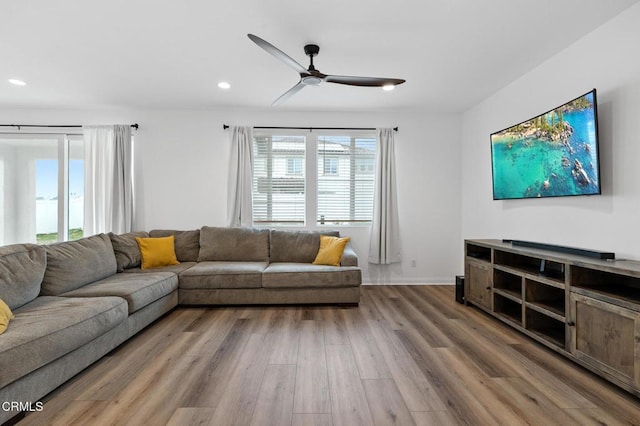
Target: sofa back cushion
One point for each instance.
(126, 250)
(73, 264)
(187, 243)
(234, 244)
(296, 246)
(21, 270)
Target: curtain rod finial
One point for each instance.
(225, 126)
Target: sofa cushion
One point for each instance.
(49, 327)
(187, 243)
(72, 264)
(139, 290)
(304, 275)
(21, 270)
(296, 246)
(126, 250)
(223, 275)
(234, 244)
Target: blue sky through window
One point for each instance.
(47, 178)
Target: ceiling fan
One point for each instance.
(311, 76)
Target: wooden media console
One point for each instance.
(584, 308)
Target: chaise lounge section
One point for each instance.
(53, 336)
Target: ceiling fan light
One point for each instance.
(388, 87)
(311, 80)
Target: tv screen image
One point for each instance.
(552, 155)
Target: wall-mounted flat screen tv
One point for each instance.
(552, 155)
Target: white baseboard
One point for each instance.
(415, 281)
(374, 284)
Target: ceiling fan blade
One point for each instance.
(277, 53)
(289, 93)
(363, 81)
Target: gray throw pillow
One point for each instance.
(126, 250)
(21, 271)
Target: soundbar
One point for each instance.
(564, 249)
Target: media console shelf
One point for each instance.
(584, 308)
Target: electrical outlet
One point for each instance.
(413, 263)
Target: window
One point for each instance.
(346, 176)
(278, 180)
(294, 165)
(41, 188)
(313, 178)
(330, 166)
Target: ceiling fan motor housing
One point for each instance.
(311, 50)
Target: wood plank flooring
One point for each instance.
(407, 355)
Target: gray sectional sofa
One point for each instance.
(76, 301)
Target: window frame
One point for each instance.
(257, 133)
(352, 174)
(311, 176)
(63, 141)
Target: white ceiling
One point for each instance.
(172, 54)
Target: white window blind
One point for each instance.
(346, 172)
(279, 180)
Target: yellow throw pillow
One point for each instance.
(5, 316)
(156, 252)
(331, 249)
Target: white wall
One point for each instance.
(444, 164)
(182, 172)
(604, 59)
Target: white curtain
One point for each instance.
(384, 244)
(240, 195)
(108, 179)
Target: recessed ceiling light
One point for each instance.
(224, 85)
(388, 87)
(17, 82)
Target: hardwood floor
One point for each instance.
(408, 355)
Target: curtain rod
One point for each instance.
(135, 125)
(226, 126)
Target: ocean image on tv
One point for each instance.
(554, 154)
